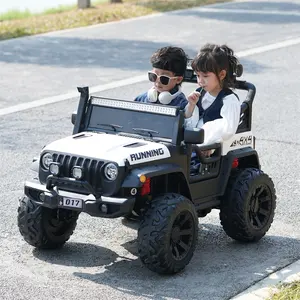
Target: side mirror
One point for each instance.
(73, 118)
(194, 136)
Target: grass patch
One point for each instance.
(15, 14)
(64, 8)
(59, 9)
(289, 291)
(15, 24)
(168, 5)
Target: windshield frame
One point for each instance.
(157, 113)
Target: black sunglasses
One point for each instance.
(164, 79)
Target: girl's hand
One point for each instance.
(193, 98)
(207, 153)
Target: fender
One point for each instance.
(35, 165)
(133, 179)
(249, 159)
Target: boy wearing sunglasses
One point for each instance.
(168, 67)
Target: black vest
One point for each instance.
(213, 112)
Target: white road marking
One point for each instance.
(270, 47)
(67, 96)
(250, 11)
(132, 80)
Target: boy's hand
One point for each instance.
(193, 98)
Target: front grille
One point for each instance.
(91, 168)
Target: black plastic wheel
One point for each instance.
(168, 233)
(248, 206)
(43, 227)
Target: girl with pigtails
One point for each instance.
(217, 106)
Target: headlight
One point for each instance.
(46, 160)
(111, 171)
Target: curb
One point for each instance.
(263, 289)
(62, 31)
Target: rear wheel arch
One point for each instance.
(250, 161)
(247, 158)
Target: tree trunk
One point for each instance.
(84, 3)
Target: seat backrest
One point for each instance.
(244, 124)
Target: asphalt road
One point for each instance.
(100, 260)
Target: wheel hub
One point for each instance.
(176, 234)
(260, 207)
(255, 205)
(182, 235)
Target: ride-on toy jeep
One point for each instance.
(134, 158)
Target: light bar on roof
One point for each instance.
(137, 106)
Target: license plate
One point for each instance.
(72, 202)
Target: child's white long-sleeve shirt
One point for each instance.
(220, 129)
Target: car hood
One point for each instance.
(109, 147)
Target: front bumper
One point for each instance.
(106, 207)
